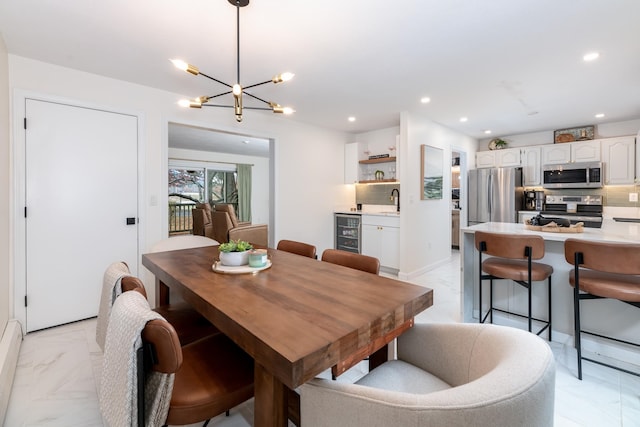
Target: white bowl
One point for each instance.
(234, 258)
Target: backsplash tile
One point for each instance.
(612, 195)
(375, 194)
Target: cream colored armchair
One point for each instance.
(454, 374)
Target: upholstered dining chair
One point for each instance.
(602, 270)
(352, 260)
(297, 248)
(181, 384)
(189, 325)
(511, 257)
(447, 374)
(213, 376)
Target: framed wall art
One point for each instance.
(431, 171)
(583, 133)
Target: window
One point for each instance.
(187, 186)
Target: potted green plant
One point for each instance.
(497, 144)
(235, 252)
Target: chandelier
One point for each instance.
(236, 89)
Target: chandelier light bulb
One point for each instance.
(237, 89)
(288, 110)
(284, 77)
(184, 103)
(181, 65)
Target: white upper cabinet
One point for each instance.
(351, 163)
(485, 159)
(581, 151)
(556, 154)
(531, 175)
(586, 151)
(618, 156)
(508, 157)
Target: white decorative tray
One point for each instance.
(218, 267)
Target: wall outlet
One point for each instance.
(633, 197)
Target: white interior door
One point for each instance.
(81, 186)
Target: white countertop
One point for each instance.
(611, 231)
(391, 214)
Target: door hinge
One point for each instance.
(25, 300)
(25, 122)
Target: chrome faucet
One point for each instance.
(395, 190)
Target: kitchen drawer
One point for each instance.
(381, 220)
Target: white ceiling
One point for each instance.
(201, 139)
(509, 66)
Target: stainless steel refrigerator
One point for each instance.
(495, 195)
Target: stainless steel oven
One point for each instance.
(573, 175)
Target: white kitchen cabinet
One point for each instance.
(351, 163)
(381, 239)
(618, 156)
(586, 151)
(485, 159)
(498, 158)
(531, 175)
(556, 154)
(508, 157)
(580, 151)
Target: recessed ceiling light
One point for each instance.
(352, 119)
(425, 100)
(245, 141)
(463, 119)
(488, 131)
(591, 56)
(599, 115)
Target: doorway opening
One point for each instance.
(204, 166)
(458, 195)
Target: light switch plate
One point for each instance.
(633, 197)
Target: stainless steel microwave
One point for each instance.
(573, 175)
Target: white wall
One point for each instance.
(425, 225)
(377, 142)
(307, 165)
(4, 187)
(603, 130)
(259, 176)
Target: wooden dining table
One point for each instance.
(296, 319)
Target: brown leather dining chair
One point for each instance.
(297, 248)
(352, 260)
(602, 270)
(189, 325)
(360, 262)
(511, 257)
(212, 375)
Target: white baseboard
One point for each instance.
(9, 350)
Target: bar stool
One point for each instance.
(602, 270)
(511, 258)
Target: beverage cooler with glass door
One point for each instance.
(347, 234)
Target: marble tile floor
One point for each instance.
(58, 372)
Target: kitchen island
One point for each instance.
(609, 317)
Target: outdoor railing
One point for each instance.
(180, 219)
